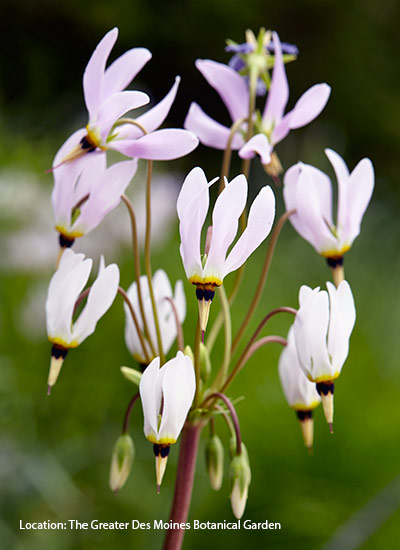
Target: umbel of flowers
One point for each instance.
(180, 383)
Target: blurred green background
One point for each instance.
(55, 452)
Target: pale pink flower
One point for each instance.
(106, 102)
(309, 192)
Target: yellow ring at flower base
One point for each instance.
(325, 378)
(94, 139)
(60, 342)
(197, 280)
(300, 407)
(163, 441)
(67, 235)
(336, 254)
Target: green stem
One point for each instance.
(197, 362)
(263, 277)
(179, 330)
(135, 322)
(234, 417)
(136, 266)
(228, 338)
(147, 259)
(226, 160)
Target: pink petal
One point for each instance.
(94, 73)
(117, 105)
(153, 118)
(278, 94)
(165, 144)
(309, 106)
(260, 220)
(257, 144)
(123, 70)
(209, 131)
(361, 186)
(105, 195)
(231, 87)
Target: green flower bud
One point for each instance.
(132, 375)
(240, 478)
(215, 461)
(188, 351)
(205, 363)
(121, 462)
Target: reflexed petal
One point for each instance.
(308, 191)
(123, 70)
(192, 208)
(298, 390)
(65, 287)
(227, 210)
(342, 175)
(94, 73)
(309, 106)
(150, 395)
(361, 186)
(165, 144)
(178, 392)
(117, 105)
(105, 195)
(153, 118)
(101, 296)
(131, 337)
(259, 223)
(209, 131)
(231, 87)
(257, 144)
(278, 94)
(342, 319)
(180, 300)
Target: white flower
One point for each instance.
(162, 290)
(192, 207)
(300, 393)
(322, 330)
(309, 192)
(65, 288)
(167, 394)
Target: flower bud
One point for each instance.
(205, 363)
(132, 375)
(121, 462)
(215, 462)
(188, 351)
(240, 476)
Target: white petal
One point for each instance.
(150, 395)
(259, 223)
(227, 210)
(279, 90)
(342, 319)
(192, 207)
(361, 186)
(101, 296)
(309, 106)
(178, 392)
(123, 70)
(131, 336)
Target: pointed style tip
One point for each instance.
(50, 170)
(310, 451)
(330, 424)
(158, 489)
(202, 336)
(48, 389)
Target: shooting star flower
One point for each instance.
(162, 293)
(167, 394)
(65, 288)
(322, 329)
(81, 204)
(300, 393)
(192, 206)
(309, 192)
(107, 100)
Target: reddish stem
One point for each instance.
(183, 484)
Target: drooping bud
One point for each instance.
(325, 390)
(205, 363)
(132, 375)
(121, 462)
(161, 453)
(240, 476)
(189, 353)
(307, 427)
(215, 461)
(58, 354)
